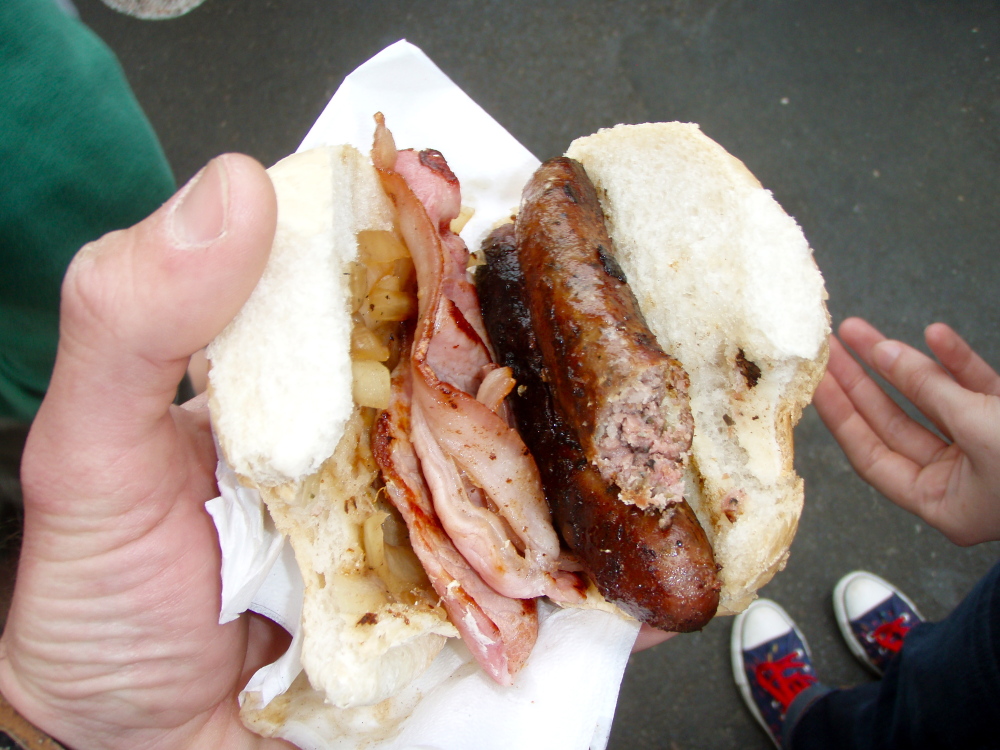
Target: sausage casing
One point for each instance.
(626, 399)
(657, 566)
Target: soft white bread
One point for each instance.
(362, 640)
(281, 371)
(728, 285)
(281, 405)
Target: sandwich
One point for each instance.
(370, 391)
(702, 281)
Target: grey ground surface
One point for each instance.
(875, 124)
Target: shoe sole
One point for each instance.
(840, 613)
(739, 673)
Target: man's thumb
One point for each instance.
(137, 303)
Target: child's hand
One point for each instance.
(952, 482)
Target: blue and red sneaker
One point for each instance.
(771, 663)
(874, 617)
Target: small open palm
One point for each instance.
(949, 477)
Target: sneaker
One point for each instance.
(771, 663)
(874, 617)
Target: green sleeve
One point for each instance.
(78, 158)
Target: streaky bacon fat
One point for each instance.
(463, 479)
(499, 631)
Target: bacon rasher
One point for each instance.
(484, 487)
(499, 631)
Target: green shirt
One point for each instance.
(78, 158)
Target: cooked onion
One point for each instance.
(380, 246)
(371, 383)
(459, 222)
(382, 295)
(358, 285)
(366, 344)
(388, 305)
(388, 552)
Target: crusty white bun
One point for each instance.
(281, 372)
(280, 396)
(728, 285)
(726, 281)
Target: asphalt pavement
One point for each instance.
(875, 124)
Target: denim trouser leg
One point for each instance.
(941, 691)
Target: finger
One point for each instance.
(859, 335)
(925, 383)
(649, 637)
(863, 337)
(959, 359)
(832, 404)
(266, 643)
(874, 407)
(138, 302)
(891, 473)
(154, 294)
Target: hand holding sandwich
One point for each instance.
(113, 637)
(115, 479)
(951, 480)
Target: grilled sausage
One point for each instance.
(655, 565)
(626, 399)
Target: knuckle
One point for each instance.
(88, 289)
(854, 381)
(974, 425)
(918, 385)
(962, 356)
(896, 427)
(867, 460)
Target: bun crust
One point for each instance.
(280, 386)
(280, 383)
(360, 645)
(728, 284)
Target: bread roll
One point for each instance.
(281, 371)
(727, 283)
(283, 414)
(725, 279)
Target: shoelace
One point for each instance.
(889, 635)
(784, 678)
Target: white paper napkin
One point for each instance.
(424, 109)
(564, 698)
